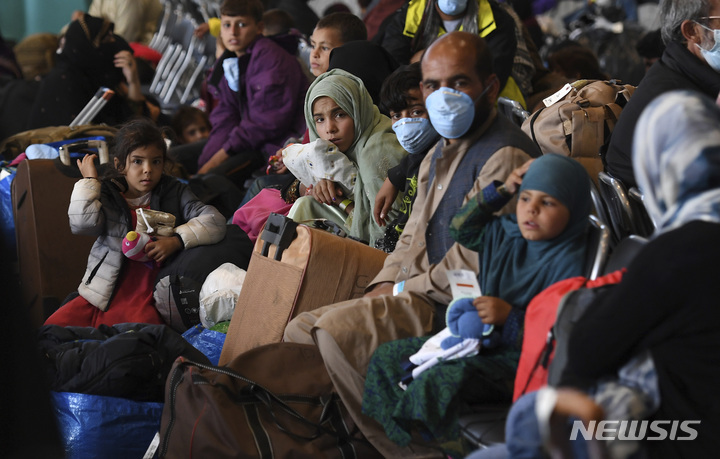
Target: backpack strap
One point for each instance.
(532, 127)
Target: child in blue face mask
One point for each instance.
(401, 97)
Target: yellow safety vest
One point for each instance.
(416, 8)
(486, 24)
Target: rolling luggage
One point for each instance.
(51, 259)
(295, 268)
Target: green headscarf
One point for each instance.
(374, 150)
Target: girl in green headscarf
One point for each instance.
(338, 109)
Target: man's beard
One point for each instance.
(482, 113)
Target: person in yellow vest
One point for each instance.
(419, 22)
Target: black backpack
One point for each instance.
(178, 283)
(126, 360)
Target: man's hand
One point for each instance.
(383, 288)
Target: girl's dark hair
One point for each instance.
(136, 134)
(394, 91)
(429, 27)
(186, 115)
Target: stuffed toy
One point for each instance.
(321, 159)
(464, 322)
(133, 245)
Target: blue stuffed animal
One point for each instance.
(464, 322)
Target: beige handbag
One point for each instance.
(154, 222)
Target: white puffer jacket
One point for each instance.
(97, 208)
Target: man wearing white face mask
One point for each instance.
(408, 297)
(691, 60)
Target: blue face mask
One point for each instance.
(232, 73)
(452, 7)
(712, 56)
(451, 112)
(415, 135)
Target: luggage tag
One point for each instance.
(463, 283)
(564, 91)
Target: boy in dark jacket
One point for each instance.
(400, 96)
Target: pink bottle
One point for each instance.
(133, 246)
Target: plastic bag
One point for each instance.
(107, 427)
(7, 222)
(219, 294)
(208, 342)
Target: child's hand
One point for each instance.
(492, 310)
(87, 166)
(164, 246)
(276, 164)
(327, 192)
(514, 180)
(383, 202)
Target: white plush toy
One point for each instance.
(319, 160)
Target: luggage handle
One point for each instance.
(101, 146)
(328, 225)
(280, 231)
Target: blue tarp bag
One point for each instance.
(209, 342)
(95, 426)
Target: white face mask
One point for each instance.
(712, 56)
(452, 112)
(415, 135)
(232, 73)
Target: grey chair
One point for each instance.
(623, 220)
(512, 110)
(637, 203)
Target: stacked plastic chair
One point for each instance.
(185, 57)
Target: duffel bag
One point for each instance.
(274, 401)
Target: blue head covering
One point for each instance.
(676, 159)
(516, 269)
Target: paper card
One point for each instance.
(463, 283)
(564, 91)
